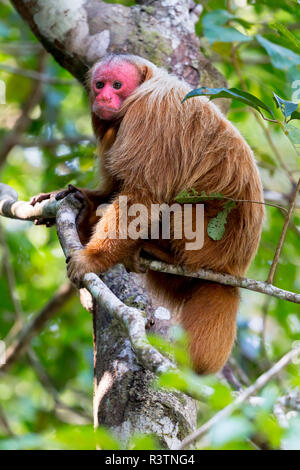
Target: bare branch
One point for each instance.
(14, 209)
(279, 198)
(60, 408)
(38, 76)
(283, 233)
(226, 279)
(21, 344)
(12, 138)
(5, 423)
(50, 143)
(131, 319)
(228, 410)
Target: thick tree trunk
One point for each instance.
(78, 33)
(124, 399)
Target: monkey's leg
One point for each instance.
(108, 246)
(86, 218)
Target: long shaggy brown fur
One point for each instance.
(157, 147)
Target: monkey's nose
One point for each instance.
(104, 99)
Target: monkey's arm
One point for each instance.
(95, 196)
(110, 244)
(90, 199)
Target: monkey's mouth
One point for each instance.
(98, 109)
(104, 110)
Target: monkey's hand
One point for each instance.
(60, 194)
(39, 198)
(83, 218)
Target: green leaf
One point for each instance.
(232, 93)
(291, 440)
(189, 196)
(216, 226)
(287, 107)
(295, 115)
(172, 379)
(230, 429)
(281, 57)
(293, 134)
(144, 442)
(280, 28)
(266, 425)
(215, 31)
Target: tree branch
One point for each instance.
(283, 233)
(47, 209)
(12, 138)
(162, 31)
(131, 319)
(226, 279)
(21, 344)
(228, 410)
(50, 143)
(37, 76)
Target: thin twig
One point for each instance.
(226, 279)
(283, 234)
(228, 410)
(12, 138)
(258, 119)
(198, 198)
(79, 416)
(5, 424)
(50, 143)
(279, 198)
(37, 76)
(22, 343)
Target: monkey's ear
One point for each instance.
(146, 73)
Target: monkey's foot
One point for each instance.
(133, 263)
(79, 264)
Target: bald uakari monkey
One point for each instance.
(151, 147)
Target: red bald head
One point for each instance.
(112, 83)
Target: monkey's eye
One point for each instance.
(117, 85)
(99, 85)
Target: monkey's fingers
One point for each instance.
(70, 190)
(44, 221)
(40, 197)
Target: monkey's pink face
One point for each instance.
(112, 84)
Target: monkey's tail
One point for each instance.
(207, 313)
